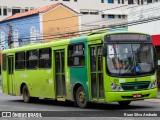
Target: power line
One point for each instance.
(66, 17)
(106, 28)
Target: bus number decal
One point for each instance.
(48, 71)
(122, 80)
(23, 75)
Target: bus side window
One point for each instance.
(4, 62)
(45, 58)
(20, 60)
(32, 59)
(76, 55)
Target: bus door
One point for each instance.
(96, 72)
(60, 73)
(10, 74)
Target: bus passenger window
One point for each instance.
(76, 55)
(32, 59)
(20, 60)
(45, 58)
(4, 62)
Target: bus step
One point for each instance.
(61, 99)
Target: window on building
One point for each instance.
(110, 1)
(5, 11)
(45, 58)
(20, 60)
(111, 16)
(94, 13)
(76, 55)
(31, 8)
(123, 16)
(33, 34)
(32, 59)
(122, 1)
(141, 2)
(119, 1)
(66, 0)
(15, 10)
(102, 1)
(85, 13)
(149, 1)
(26, 9)
(4, 62)
(119, 16)
(103, 16)
(0, 11)
(131, 1)
(75, 0)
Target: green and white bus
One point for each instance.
(99, 67)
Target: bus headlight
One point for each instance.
(116, 87)
(153, 85)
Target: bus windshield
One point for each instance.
(130, 59)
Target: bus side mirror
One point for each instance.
(104, 51)
(156, 60)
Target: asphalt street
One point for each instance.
(66, 110)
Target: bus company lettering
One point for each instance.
(23, 75)
(28, 114)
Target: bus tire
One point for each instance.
(124, 103)
(26, 95)
(81, 97)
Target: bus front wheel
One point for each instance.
(124, 103)
(26, 95)
(81, 97)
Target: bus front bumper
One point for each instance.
(130, 96)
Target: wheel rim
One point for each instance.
(81, 97)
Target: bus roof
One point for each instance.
(95, 35)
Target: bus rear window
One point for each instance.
(4, 62)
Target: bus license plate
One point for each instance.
(137, 96)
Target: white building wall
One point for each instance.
(143, 13)
(150, 27)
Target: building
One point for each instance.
(95, 13)
(149, 16)
(38, 25)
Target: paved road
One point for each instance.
(14, 103)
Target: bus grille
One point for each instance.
(131, 86)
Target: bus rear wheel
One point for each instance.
(124, 103)
(81, 97)
(26, 95)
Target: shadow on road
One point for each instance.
(98, 106)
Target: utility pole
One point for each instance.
(9, 35)
(3, 31)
